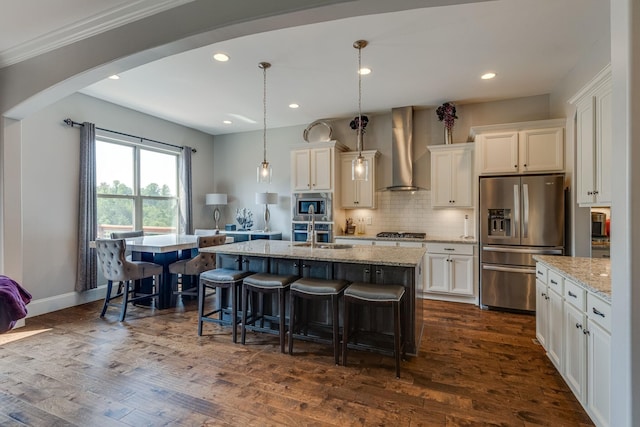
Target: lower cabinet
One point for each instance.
(451, 272)
(574, 327)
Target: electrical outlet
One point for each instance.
(368, 220)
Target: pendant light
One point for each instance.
(264, 168)
(360, 165)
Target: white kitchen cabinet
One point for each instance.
(452, 175)
(358, 194)
(520, 148)
(348, 241)
(550, 314)
(594, 133)
(575, 350)
(450, 269)
(314, 168)
(598, 359)
(542, 313)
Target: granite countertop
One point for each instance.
(594, 274)
(381, 255)
(428, 239)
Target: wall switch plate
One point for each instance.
(368, 220)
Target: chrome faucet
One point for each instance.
(311, 228)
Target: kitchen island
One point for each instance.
(373, 264)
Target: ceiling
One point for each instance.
(419, 57)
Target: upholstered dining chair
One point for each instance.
(193, 267)
(126, 235)
(116, 268)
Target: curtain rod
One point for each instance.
(71, 123)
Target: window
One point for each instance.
(137, 188)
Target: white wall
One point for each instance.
(49, 193)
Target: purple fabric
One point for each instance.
(13, 303)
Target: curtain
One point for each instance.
(186, 210)
(87, 221)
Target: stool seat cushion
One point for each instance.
(224, 275)
(374, 292)
(313, 286)
(265, 280)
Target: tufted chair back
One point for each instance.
(203, 261)
(126, 234)
(114, 265)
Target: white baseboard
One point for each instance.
(19, 324)
(58, 302)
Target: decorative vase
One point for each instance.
(448, 135)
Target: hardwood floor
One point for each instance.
(475, 367)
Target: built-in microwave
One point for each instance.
(320, 202)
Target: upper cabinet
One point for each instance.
(593, 135)
(314, 168)
(520, 148)
(358, 194)
(452, 175)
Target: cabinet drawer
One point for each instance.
(574, 295)
(541, 273)
(450, 248)
(555, 282)
(599, 311)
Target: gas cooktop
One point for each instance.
(401, 235)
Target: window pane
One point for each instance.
(114, 168)
(159, 216)
(114, 214)
(158, 174)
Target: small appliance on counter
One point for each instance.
(598, 224)
(401, 235)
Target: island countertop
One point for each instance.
(381, 255)
(593, 274)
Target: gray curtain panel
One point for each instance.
(186, 205)
(87, 219)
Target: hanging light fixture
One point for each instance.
(360, 165)
(264, 168)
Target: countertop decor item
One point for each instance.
(318, 131)
(264, 168)
(244, 217)
(360, 165)
(216, 199)
(447, 114)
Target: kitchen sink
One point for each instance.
(323, 245)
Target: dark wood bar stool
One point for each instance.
(374, 295)
(314, 289)
(220, 278)
(265, 283)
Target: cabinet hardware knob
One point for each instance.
(595, 193)
(378, 271)
(544, 295)
(571, 294)
(295, 265)
(589, 193)
(586, 332)
(366, 270)
(515, 166)
(449, 249)
(540, 272)
(547, 297)
(554, 282)
(578, 326)
(598, 312)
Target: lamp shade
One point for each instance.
(266, 198)
(216, 199)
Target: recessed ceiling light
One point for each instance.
(488, 76)
(114, 77)
(227, 122)
(294, 105)
(221, 57)
(364, 71)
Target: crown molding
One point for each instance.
(88, 27)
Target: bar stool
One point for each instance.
(220, 278)
(371, 294)
(116, 268)
(193, 267)
(264, 283)
(310, 288)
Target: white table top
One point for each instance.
(161, 243)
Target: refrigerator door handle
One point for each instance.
(531, 270)
(525, 208)
(515, 224)
(523, 250)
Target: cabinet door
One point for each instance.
(542, 313)
(585, 161)
(441, 179)
(555, 336)
(541, 150)
(599, 373)
(604, 111)
(461, 178)
(437, 272)
(300, 170)
(348, 196)
(461, 278)
(321, 170)
(365, 192)
(575, 350)
(499, 153)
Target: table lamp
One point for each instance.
(266, 199)
(216, 199)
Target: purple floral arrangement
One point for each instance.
(355, 123)
(447, 113)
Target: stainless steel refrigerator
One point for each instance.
(520, 216)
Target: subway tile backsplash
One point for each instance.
(406, 211)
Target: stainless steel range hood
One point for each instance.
(402, 150)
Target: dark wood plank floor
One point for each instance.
(475, 367)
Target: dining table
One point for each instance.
(163, 249)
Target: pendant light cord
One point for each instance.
(360, 100)
(264, 66)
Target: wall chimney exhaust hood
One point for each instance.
(402, 150)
